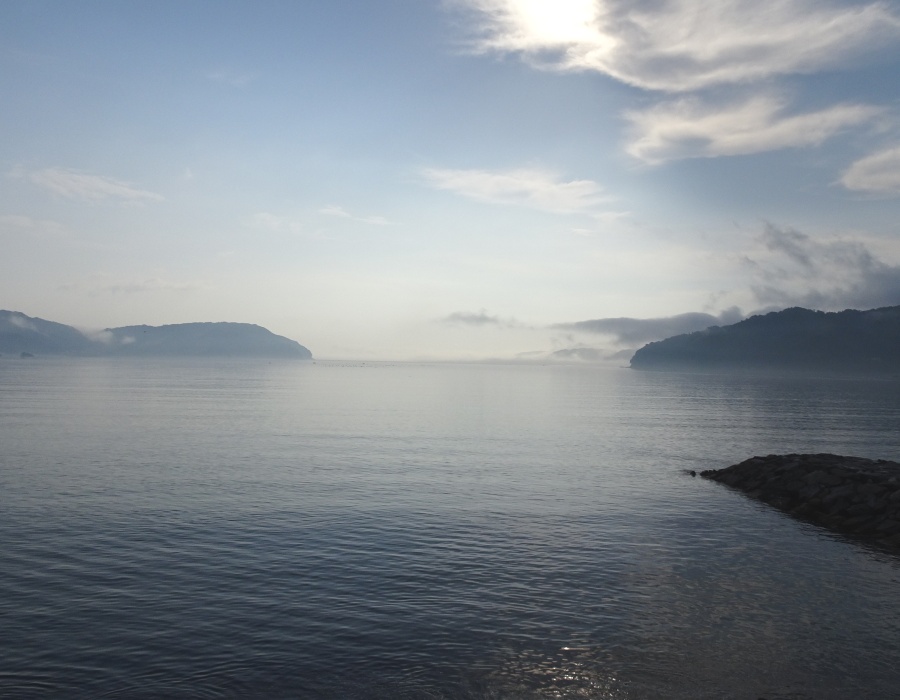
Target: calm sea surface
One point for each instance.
(189, 529)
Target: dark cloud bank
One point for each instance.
(632, 331)
(828, 276)
(799, 271)
(789, 269)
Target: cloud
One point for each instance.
(534, 188)
(689, 128)
(273, 222)
(632, 331)
(590, 354)
(152, 284)
(694, 46)
(682, 45)
(340, 212)
(478, 319)
(101, 285)
(335, 211)
(787, 268)
(21, 322)
(793, 269)
(877, 173)
(104, 336)
(40, 228)
(74, 184)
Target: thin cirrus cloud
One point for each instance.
(100, 286)
(681, 45)
(39, 228)
(77, 185)
(342, 213)
(152, 284)
(688, 128)
(533, 188)
(273, 222)
(878, 173)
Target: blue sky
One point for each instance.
(460, 179)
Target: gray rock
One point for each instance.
(849, 495)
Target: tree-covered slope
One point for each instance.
(796, 338)
(24, 334)
(203, 339)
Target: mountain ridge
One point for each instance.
(21, 334)
(866, 342)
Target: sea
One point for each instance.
(196, 528)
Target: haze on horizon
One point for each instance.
(448, 179)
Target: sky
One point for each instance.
(448, 179)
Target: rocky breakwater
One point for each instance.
(849, 495)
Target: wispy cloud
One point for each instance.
(74, 184)
(479, 319)
(681, 45)
(273, 222)
(791, 268)
(534, 188)
(633, 331)
(342, 213)
(21, 321)
(878, 173)
(688, 128)
(39, 228)
(152, 284)
(102, 285)
(696, 46)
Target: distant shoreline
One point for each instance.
(25, 335)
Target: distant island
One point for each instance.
(857, 342)
(25, 336)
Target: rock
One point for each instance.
(824, 478)
(836, 494)
(889, 527)
(848, 495)
(856, 510)
(872, 489)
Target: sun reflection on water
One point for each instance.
(570, 672)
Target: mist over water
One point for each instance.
(216, 529)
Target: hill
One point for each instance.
(863, 342)
(24, 334)
(20, 333)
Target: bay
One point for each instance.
(188, 528)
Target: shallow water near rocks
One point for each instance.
(195, 529)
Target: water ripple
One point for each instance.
(426, 532)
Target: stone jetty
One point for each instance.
(849, 495)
